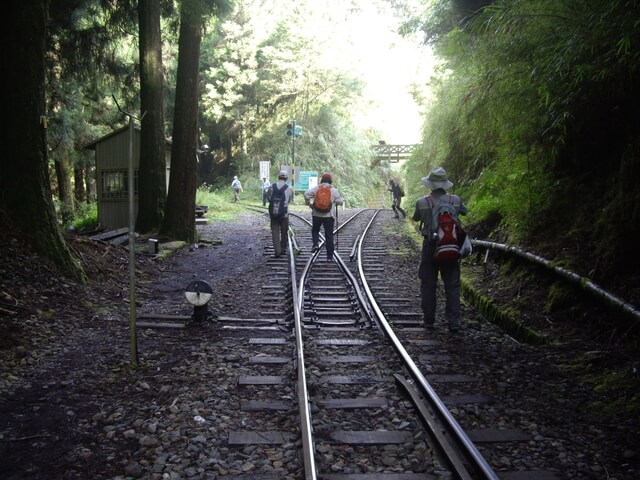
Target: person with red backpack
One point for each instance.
(443, 238)
(324, 197)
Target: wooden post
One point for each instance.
(132, 253)
(132, 243)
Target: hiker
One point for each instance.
(398, 193)
(438, 183)
(280, 196)
(324, 197)
(237, 188)
(265, 191)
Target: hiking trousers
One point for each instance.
(279, 230)
(397, 209)
(327, 223)
(428, 273)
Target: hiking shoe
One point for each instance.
(314, 249)
(429, 325)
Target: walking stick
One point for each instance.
(337, 225)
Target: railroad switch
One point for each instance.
(198, 294)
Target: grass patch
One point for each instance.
(86, 217)
(504, 317)
(169, 248)
(613, 376)
(222, 208)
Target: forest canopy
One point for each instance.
(535, 114)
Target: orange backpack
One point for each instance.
(322, 202)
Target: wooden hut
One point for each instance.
(112, 175)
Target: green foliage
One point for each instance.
(260, 66)
(262, 72)
(513, 190)
(620, 388)
(86, 216)
(560, 296)
(329, 142)
(535, 105)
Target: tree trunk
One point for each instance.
(79, 191)
(179, 221)
(63, 174)
(90, 182)
(25, 188)
(152, 173)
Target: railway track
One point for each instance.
(219, 399)
(348, 356)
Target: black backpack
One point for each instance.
(277, 204)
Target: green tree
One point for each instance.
(152, 170)
(536, 106)
(179, 219)
(88, 61)
(271, 66)
(24, 176)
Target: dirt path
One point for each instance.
(65, 348)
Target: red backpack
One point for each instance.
(322, 202)
(446, 230)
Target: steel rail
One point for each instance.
(307, 267)
(460, 436)
(306, 434)
(303, 393)
(364, 302)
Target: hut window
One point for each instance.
(115, 184)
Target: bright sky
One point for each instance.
(390, 65)
(359, 37)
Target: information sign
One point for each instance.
(307, 180)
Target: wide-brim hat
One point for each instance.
(437, 179)
(283, 174)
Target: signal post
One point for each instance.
(294, 131)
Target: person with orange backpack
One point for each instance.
(324, 197)
(442, 247)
